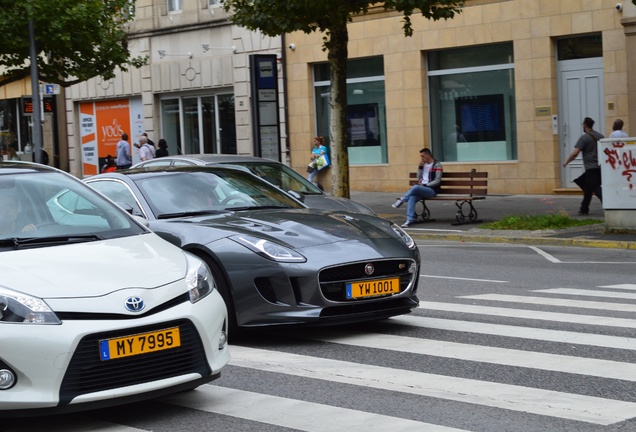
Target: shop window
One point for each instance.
(366, 109)
(175, 5)
(472, 99)
(200, 124)
(16, 126)
(9, 124)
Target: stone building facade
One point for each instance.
(503, 88)
(194, 91)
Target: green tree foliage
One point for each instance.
(330, 17)
(75, 39)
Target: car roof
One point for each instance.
(149, 171)
(227, 158)
(20, 166)
(221, 158)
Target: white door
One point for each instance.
(580, 96)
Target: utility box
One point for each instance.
(617, 157)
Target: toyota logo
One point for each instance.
(135, 304)
(369, 269)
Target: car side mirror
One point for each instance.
(297, 195)
(141, 220)
(125, 206)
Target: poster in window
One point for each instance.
(363, 125)
(481, 118)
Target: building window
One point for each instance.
(10, 124)
(199, 124)
(580, 47)
(366, 110)
(214, 3)
(175, 5)
(472, 100)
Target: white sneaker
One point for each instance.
(407, 224)
(398, 203)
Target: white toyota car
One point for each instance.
(95, 309)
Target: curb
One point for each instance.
(516, 238)
(542, 241)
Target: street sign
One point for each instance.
(47, 105)
(51, 89)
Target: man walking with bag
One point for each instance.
(591, 182)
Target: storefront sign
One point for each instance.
(102, 124)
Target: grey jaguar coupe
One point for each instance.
(274, 260)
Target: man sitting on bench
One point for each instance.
(429, 179)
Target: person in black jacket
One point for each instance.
(44, 157)
(163, 148)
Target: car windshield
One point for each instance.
(181, 193)
(282, 176)
(42, 208)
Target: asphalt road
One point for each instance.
(507, 338)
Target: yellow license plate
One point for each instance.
(373, 288)
(142, 343)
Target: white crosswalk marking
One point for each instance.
(588, 293)
(359, 368)
(485, 354)
(620, 286)
(554, 302)
(284, 412)
(567, 337)
(518, 398)
(530, 314)
(78, 423)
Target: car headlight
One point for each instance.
(269, 249)
(19, 308)
(198, 279)
(404, 236)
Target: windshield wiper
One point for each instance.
(258, 207)
(189, 213)
(21, 242)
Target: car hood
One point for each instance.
(326, 202)
(93, 268)
(300, 228)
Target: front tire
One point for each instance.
(223, 287)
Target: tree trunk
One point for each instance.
(338, 134)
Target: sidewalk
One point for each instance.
(495, 207)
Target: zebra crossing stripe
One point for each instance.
(511, 397)
(566, 337)
(294, 414)
(531, 314)
(620, 286)
(485, 354)
(616, 307)
(588, 293)
(70, 423)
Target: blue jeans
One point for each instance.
(413, 196)
(312, 175)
